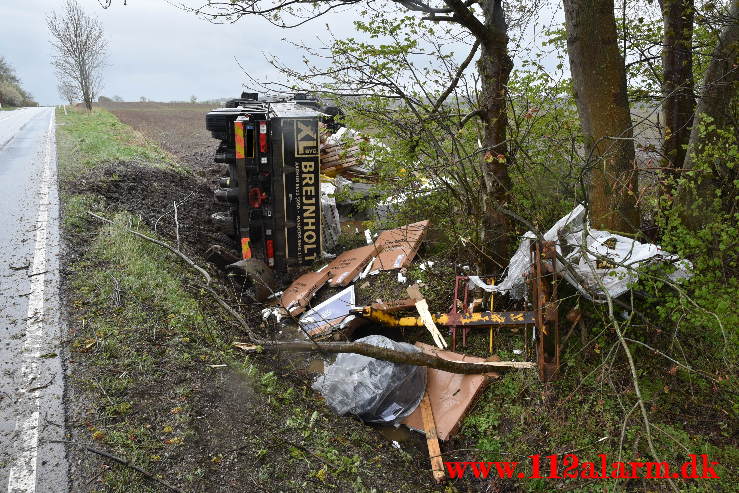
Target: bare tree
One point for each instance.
(69, 91)
(80, 49)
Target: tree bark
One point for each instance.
(401, 357)
(720, 83)
(677, 85)
(494, 67)
(599, 83)
(717, 103)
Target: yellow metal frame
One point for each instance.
(476, 318)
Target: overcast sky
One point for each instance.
(155, 50)
(160, 52)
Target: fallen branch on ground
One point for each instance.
(162, 244)
(122, 462)
(402, 357)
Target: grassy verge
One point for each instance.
(153, 376)
(90, 140)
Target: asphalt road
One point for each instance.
(31, 372)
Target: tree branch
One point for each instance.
(401, 357)
(456, 78)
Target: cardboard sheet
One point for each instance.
(296, 297)
(347, 266)
(451, 394)
(399, 246)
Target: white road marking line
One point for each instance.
(22, 476)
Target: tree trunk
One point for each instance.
(719, 91)
(599, 83)
(494, 67)
(718, 104)
(677, 85)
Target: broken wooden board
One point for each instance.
(432, 440)
(347, 266)
(297, 296)
(399, 246)
(451, 394)
(395, 305)
(423, 311)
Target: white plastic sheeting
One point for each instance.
(599, 258)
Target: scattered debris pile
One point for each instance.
(427, 399)
(430, 401)
(393, 249)
(342, 154)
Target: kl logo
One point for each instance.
(306, 142)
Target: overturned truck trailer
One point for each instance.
(273, 181)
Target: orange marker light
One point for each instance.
(245, 248)
(239, 139)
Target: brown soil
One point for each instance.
(150, 193)
(177, 127)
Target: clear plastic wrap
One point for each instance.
(375, 391)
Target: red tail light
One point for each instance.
(263, 137)
(270, 245)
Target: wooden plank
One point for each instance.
(334, 163)
(337, 157)
(340, 153)
(330, 151)
(339, 166)
(432, 440)
(423, 310)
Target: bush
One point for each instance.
(10, 95)
(701, 225)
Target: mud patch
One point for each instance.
(150, 193)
